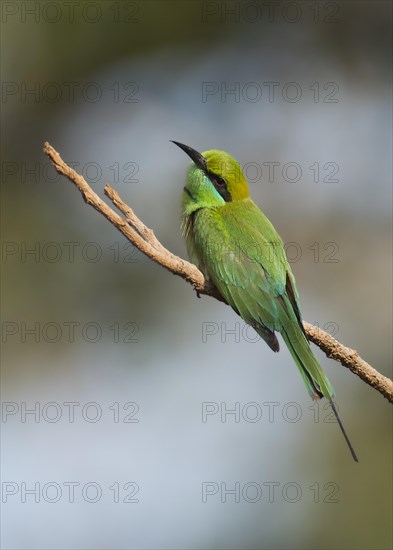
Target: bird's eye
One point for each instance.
(218, 180)
(221, 185)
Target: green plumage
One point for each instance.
(234, 244)
(240, 251)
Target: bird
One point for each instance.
(236, 247)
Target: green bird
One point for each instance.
(237, 248)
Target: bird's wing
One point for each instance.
(245, 258)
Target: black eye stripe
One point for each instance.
(216, 179)
(221, 186)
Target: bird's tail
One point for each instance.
(315, 379)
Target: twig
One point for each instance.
(144, 239)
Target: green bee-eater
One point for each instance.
(237, 248)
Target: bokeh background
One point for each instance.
(93, 327)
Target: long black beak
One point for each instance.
(196, 157)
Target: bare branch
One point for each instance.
(349, 358)
(144, 239)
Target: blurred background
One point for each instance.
(134, 415)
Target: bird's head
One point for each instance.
(213, 179)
